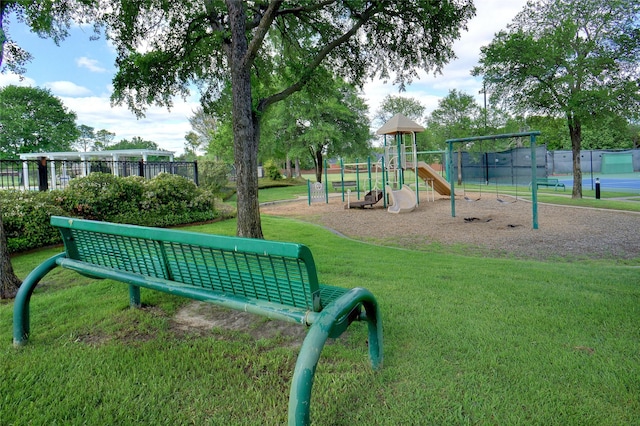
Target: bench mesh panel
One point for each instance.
(118, 252)
(271, 278)
(329, 293)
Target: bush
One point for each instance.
(165, 200)
(272, 171)
(213, 176)
(25, 215)
(100, 196)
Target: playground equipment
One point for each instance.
(534, 189)
(402, 201)
(398, 157)
(371, 198)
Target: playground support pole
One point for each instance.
(384, 184)
(450, 177)
(369, 169)
(534, 187)
(342, 177)
(326, 182)
(358, 178)
(415, 169)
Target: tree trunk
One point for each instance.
(318, 161)
(575, 132)
(287, 168)
(9, 283)
(298, 172)
(246, 127)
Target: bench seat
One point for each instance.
(273, 279)
(338, 185)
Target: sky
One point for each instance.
(80, 72)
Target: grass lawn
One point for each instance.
(468, 340)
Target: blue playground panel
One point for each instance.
(619, 184)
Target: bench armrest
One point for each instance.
(323, 327)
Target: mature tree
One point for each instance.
(191, 145)
(634, 135)
(576, 59)
(392, 105)
(103, 140)
(210, 43)
(33, 120)
(204, 126)
(48, 18)
(86, 138)
(135, 143)
(458, 115)
(322, 119)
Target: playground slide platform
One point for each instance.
(371, 198)
(402, 201)
(433, 178)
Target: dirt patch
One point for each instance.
(487, 226)
(201, 317)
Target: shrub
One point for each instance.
(25, 215)
(272, 171)
(101, 195)
(162, 201)
(213, 176)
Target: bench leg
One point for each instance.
(134, 296)
(303, 375)
(21, 323)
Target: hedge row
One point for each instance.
(162, 201)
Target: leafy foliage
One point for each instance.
(26, 216)
(391, 105)
(457, 115)
(246, 42)
(102, 195)
(574, 59)
(33, 120)
(272, 171)
(162, 201)
(213, 176)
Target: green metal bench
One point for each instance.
(549, 182)
(273, 279)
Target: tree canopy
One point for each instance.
(33, 120)
(165, 47)
(575, 59)
(47, 18)
(391, 105)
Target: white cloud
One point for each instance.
(66, 88)
(166, 128)
(491, 17)
(11, 79)
(91, 64)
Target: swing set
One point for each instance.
(534, 193)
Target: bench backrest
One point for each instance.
(278, 272)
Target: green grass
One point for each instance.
(468, 340)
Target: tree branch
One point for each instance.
(263, 28)
(297, 86)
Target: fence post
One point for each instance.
(141, 168)
(195, 172)
(43, 179)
